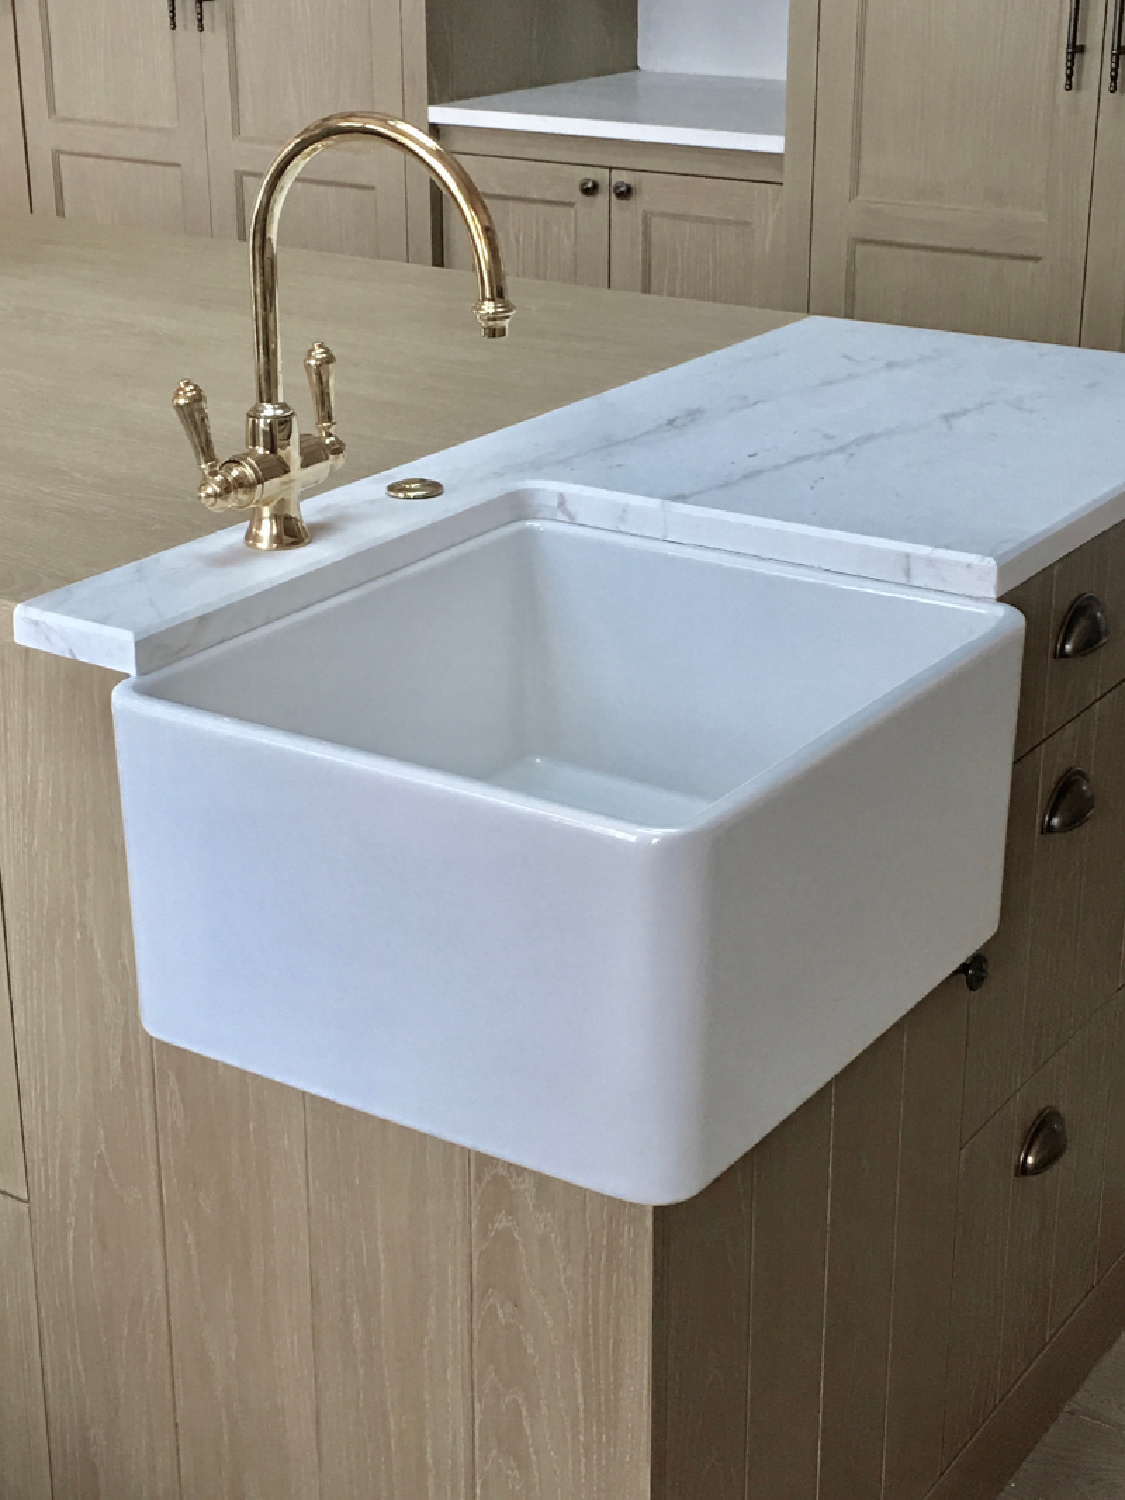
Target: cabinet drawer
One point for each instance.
(1027, 1247)
(1075, 647)
(1057, 954)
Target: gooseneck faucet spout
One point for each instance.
(279, 462)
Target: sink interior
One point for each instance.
(607, 673)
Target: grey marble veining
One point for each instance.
(937, 459)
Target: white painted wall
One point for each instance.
(727, 38)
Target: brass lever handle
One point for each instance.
(191, 408)
(320, 367)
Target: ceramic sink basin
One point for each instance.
(597, 853)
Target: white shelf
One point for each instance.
(674, 109)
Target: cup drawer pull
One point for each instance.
(1084, 630)
(1044, 1143)
(1071, 804)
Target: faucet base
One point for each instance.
(272, 531)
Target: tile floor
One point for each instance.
(1083, 1455)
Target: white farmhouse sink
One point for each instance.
(597, 853)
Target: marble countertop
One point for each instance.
(678, 109)
(935, 459)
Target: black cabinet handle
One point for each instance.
(1071, 804)
(1085, 627)
(199, 26)
(622, 190)
(589, 187)
(1116, 45)
(1073, 46)
(975, 970)
(172, 15)
(1044, 1143)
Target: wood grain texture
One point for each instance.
(861, 1243)
(1077, 1460)
(913, 223)
(562, 1289)
(1101, 926)
(389, 1240)
(716, 241)
(791, 1192)
(86, 1076)
(924, 1243)
(1033, 600)
(549, 228)
(13, 1172)
(15, 197)
(1103, 307)
(1111, 1229)
(521, 44)
(1025, 1414)
(983, 1209)
(25, 1469)
(146, 311)
(232, 1152)
(1083, 1097)
(113, 104)
(701, 1308)
(1032, 1219)
(1073, 683)
(994, 1052)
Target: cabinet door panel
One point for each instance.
(1103, 312)
(715, 240)
(270, 67)
(549, 229)
(114, 110)
(952, 171)
(13, 166)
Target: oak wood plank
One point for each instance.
(1073, 683)
(25, 1469)
(925, 1236)
(1031, 1234)
(1101, 925)
(562, 1299)
(1083, 1097)
(389, 1239)
(86, 1079)
(791, 1188)
(995, 1051)
(861, 1243)
(1033, 600)
(701, 1308)
(13, 1172)
(232, 1149)
(983, 1208)
(1111, 1229)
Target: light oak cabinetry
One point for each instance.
(676, 235)
(13, 163)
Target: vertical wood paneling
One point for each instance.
(791, 1186)
(1083, 1097)
(1111, 1230)
(233, 1158)
(983, 1207)
(865, 1153)
(14, 197)
(1102, 925)
(25, 1471)
(701, 1296)
(389, 1232)
(995, 1050)
(13, 1176)
(925, 1232)
(1074, 683)
(1033, 600)
(86, 1077)
(562, 1297)
(1031, 1235)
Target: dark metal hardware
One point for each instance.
(1073, 46)
(1071, 804)
(172, 14)
(975, 970)
(622, 190)
(589, 187)
(1044, 1143)
(199, 26)
(1116, 45)
(1085, 628)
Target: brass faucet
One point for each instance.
(279, 461)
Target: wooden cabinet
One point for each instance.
(952, 173)
(675, 234)
(113, 104)
(1103, 321)
(132, 122)
(13, 165)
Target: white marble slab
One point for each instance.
(935, 459)
(676, 109)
